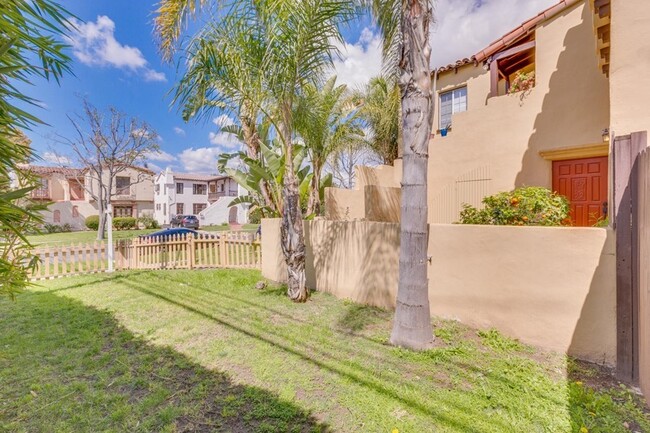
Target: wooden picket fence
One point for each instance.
(219, 250)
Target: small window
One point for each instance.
(180, 208)
(75, 211)
(43, 189)
(198, 207)
(57, 216)
(122, 211)
(157, 206)
(123, 185)
(179, 188)
(199, 189)
(452, 102)
(157, 189)
(165, 209)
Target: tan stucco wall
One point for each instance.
(375, 197)
(142, 191)
(344, 204)
(629, 65)
(550, 287)
(501, 137)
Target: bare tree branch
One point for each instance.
(106, 144)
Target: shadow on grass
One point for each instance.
(358, 317)
(68, 367)
(322, 360)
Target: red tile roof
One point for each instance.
(39, 169)
(515, 34)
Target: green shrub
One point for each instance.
(255, 216)
(148, 222)
(55, 228)
(51, 228)
(527, 206)
(124, 223)
(92, 222)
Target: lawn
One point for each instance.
(62, 239)
(181, 351)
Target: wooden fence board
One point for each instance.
(236, 250)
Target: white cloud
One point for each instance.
(359, 61)
(54, 158)
(151, 75)
(94, 44)
(464, 27)
(153, 167)
(179, 131)
(160, 156)
(200, 160)
(224, 139)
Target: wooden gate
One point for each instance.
(643, 270)
(630, 159)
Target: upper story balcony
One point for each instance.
(214, 196)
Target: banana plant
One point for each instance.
(268, 170)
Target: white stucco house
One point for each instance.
(206, 196)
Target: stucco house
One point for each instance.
(587, 58)
(70, 204)
(206, 196)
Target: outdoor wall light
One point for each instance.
(605, 135)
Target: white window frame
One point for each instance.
(453, 105)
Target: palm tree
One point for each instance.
(405, 27)
(287, 45)
(326, 122)
(28, 49)
(379, 109)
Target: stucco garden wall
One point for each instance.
(550, 287)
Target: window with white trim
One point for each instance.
(452, 102)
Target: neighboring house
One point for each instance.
(555, 135)
(70, 204)
(206, 196)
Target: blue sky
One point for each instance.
(116, 63)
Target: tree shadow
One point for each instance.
(83, 371)
(357, 317)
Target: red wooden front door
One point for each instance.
(584, 183)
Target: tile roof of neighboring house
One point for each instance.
(67, 171)
(522, 30)
(40, 169)
(197, 177)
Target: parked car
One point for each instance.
(177, 221)
(164, 235)
(187, 221)
(190, 222)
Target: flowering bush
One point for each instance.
(527, 206)
(523, 82)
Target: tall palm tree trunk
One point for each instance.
(314, 204)
(412, 323)
(291, 231)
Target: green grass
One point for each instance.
(206, 351)
(89, 236)
(63, 239)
